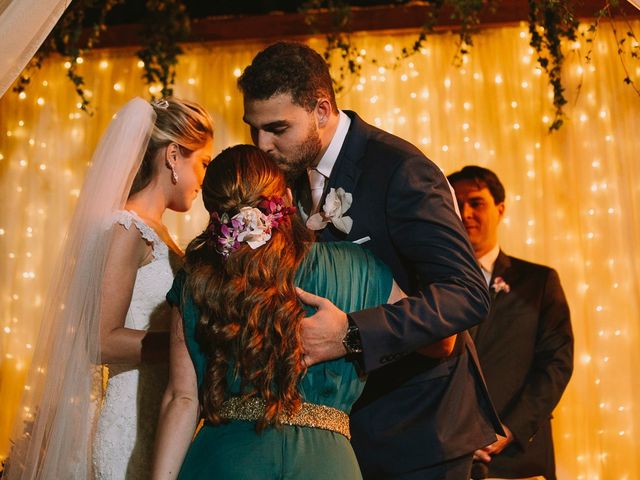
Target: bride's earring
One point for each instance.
(174, 175)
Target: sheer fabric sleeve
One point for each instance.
(347, 274)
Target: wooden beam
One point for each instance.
(292, 25)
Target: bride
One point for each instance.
(107, 303)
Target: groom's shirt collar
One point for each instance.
(328, 160)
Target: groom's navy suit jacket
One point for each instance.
(525, 348)
(415, 412)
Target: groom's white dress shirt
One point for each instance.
(321, 172)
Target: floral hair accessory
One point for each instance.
(251, 225)
(336, 204)
(499, 285)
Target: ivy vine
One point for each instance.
(166, 24)
(551, 23)
(70, 40)
(338, 38)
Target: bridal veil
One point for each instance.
(52, 434)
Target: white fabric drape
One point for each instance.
(573, 200)
(52, 437)
(24, 25)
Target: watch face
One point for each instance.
(351, 341)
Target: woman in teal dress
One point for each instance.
(236, 356)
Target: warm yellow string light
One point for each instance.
(573, 196)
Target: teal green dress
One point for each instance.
(353, 279)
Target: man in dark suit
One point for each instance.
(525, 346)
(419, 417)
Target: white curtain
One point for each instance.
(573, 200)
(635, 3)
(24, 25)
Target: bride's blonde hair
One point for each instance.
(178, 121)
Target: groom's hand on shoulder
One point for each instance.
(322, 333)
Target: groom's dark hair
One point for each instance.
(483, 178)
(288, 67)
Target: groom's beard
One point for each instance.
(302, 157)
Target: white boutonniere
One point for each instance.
(336, 204)
(499, 285)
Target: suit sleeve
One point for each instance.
(430, 240)
(552, 365)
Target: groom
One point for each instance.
(418, 418)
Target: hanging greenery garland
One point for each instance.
(551, 23)
(167, 24)
(69, 39)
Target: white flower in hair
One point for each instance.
(257, 228)
(251, 225)
(336, 204)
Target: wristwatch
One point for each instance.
(352, 341)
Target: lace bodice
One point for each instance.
(125, 432)
(148, 309)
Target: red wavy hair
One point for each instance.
(250, 314)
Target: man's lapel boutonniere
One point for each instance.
(499, 285)
(336, 204)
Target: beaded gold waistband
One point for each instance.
(309, 415)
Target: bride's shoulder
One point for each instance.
(127, 243)
(143, 231)
(123, 217)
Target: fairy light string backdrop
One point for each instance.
(573, 197)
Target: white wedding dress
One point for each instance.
(125, 431)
